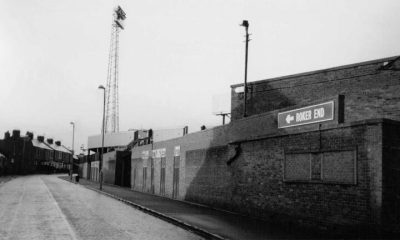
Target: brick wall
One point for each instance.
(369, 91)
(254, 183)
(208, 177)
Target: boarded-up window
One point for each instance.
(331, 167)
(297, 166)
(339, 166)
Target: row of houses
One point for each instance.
(27, 155)
(318, 148)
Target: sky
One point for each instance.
(175, 56)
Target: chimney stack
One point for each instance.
(185, 130)
(29, 134)
(16, 133)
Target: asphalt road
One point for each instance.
(46, 207)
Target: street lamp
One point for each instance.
(72, 160)
(245, 24)
(102, 138)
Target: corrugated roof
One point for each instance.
(119, 139)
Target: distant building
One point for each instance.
(26, 155)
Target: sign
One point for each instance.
(145, 155)
(159, 153)
(177, 151)
(306, 115)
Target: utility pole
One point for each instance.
(71, 170)
(246, 25)
(102, 138)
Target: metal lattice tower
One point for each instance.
(112, 102)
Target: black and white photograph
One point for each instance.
(199, 119)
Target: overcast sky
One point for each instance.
(174, 56)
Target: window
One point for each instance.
(327, 167)
(339, 166)
(297, 166)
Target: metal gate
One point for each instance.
(134, 178)
(144, 179)
(123, 169)
(175, 180)
(162, 177)
(152, 175)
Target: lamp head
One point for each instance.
(245, 23)
(102, 87)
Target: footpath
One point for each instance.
(205, 221)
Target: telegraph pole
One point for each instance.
(246, 25)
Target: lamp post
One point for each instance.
(72, 159)
(102, 138)
(246, 25)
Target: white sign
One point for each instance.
(307, 115)
(177, 151)
(159, 153)
(145, 155)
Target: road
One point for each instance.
(46, 207)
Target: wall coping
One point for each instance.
(318, 71)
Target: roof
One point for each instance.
(39, 144)
(66, 149)
(57, 148)
(118, 139)
(61, 148)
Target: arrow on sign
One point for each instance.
(289, 118)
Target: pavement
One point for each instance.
(205, 221)
(40, 207)
(4, 179)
